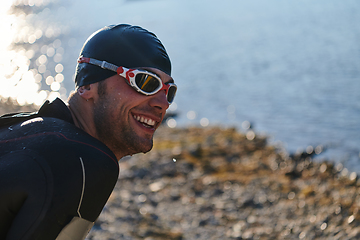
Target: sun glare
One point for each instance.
(25, 51)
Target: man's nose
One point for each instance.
(159, 100)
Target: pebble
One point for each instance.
(227, 185)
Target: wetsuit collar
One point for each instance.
(56, 109)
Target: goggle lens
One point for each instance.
(151, 85)
(171, 93)
(146, 83)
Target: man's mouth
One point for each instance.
(146, 122)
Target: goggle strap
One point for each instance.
(102, 64)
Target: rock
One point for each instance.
(225, 186)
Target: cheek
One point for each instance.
(119, 107)
(131, 97)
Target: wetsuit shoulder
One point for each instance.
(80, 172)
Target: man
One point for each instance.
(59, 166)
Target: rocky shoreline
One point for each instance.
(218, 183)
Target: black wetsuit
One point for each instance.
(54, 178)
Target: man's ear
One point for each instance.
(88, 91)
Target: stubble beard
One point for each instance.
(120, 138)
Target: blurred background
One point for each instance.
(288, 69)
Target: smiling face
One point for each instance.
(126, 120)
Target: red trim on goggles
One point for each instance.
(142, 81)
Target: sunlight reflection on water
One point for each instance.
(31, 53)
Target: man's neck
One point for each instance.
(82, 114)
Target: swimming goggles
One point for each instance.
(142, 81)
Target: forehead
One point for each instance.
(163, 76)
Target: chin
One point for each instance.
(143, 146)
(147, 148)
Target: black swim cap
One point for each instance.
(122, 45)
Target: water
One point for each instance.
(291, 68)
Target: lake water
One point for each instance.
(291, 68)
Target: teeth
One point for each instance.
(147, 121)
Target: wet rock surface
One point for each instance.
(213, 183)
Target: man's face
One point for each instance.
(126, 120)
